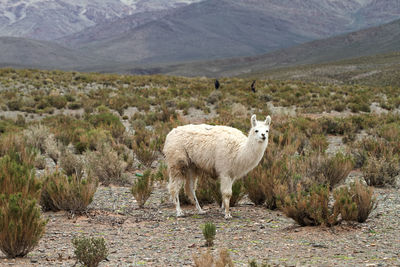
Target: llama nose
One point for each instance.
(263, 134)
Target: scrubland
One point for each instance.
(80, 156)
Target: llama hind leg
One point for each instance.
(174, 186)
(191, 183)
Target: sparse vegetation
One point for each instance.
(90, 251)
(75, 119)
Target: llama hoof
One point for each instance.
(180, 213)
(202, 212)
(228, 216)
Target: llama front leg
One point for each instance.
(226, 191)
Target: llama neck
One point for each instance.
(250, 154)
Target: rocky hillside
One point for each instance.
(368, 42)
(48, 20)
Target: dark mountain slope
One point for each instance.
(28, 53)
(372, 41)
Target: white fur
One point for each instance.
(221, 151)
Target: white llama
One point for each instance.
(221, 151)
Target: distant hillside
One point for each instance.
(377, 70)
(206, 30)
(215, 29)
(28, 53)
(372, 41)
(49, 20)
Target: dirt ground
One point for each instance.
(153, 236)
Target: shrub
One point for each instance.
(382, 171)
(14, 105)
(90, 251)
(207, 260)
(36, 136)
(74, 105)
(58, 101)
(20, 224)
(275, 168)
(15, 146)
(325, 170)
(17, 176)
(252, 184)
(71, 164)
(52, 147)
(106, 165)
(108, 121)
(92, 139)
(336, 169)
(309, 207)
(354, 203)
(142, 188)
(162, 173)
(70, 193)
(144, 146)
(209, 231)
(319, 143)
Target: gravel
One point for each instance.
(153, 236)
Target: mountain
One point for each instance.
(29, 53)
(149, 36)
(206, 30)
(214, 29)
(367, 42)
(49, 20)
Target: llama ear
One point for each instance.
(268, 120)
(253, 121)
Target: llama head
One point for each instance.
(260, 129)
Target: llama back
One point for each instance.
(201, 145)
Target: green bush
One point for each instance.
(108, 121)
(70, 193)
(142, 188)
(209, 231)
(90, 251)
(21, 226)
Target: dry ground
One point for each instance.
(153, 236)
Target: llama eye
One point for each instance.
(267, 131)
(256, 131)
